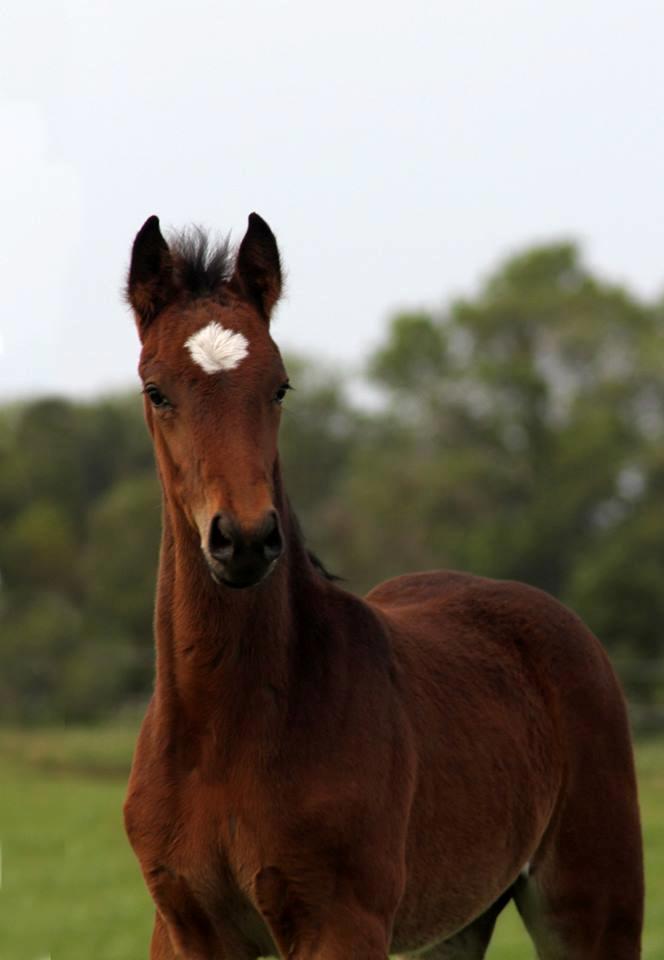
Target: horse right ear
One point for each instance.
(150, 285)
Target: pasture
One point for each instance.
(72, 890)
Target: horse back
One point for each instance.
(465, 623)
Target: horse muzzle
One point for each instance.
(240, 557)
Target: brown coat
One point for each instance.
(323, 776)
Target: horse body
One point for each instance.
(324, 776)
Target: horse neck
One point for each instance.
(221, 645)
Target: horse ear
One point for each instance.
(258, 268)
(150, 286)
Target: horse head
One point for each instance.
(213, 384)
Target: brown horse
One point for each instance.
(321, 776)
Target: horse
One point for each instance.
(324, 776)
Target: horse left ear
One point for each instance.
(257, 267)
(150, 286)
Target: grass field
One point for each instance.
(72, 891)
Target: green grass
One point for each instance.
(71, 889)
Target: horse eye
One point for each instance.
(155, 396)
(281, 392)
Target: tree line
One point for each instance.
(517, 434)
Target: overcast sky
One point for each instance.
(397, 150)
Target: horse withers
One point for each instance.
(324, 776)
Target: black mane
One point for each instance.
(314, 559)
(320, 567)
(203, 266)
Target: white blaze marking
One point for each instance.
(214, 348)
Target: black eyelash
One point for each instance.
(280, 395)
(155, 396)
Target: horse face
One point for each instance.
(213, 381)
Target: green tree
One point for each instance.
(120, 564)
(512, 420)
(319, 432)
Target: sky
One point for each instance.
(398, 151)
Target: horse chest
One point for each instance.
(200, 849)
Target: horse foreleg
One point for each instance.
(472, 942)
(349, 934)
(161, 947)
(330, 929)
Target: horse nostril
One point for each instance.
(221, 540)
(272, 542)
(244, 555)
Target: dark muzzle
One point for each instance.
(241, 558)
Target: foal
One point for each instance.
(320, 776)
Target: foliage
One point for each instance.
(80, 520)
(518, 434)
(522, 438)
